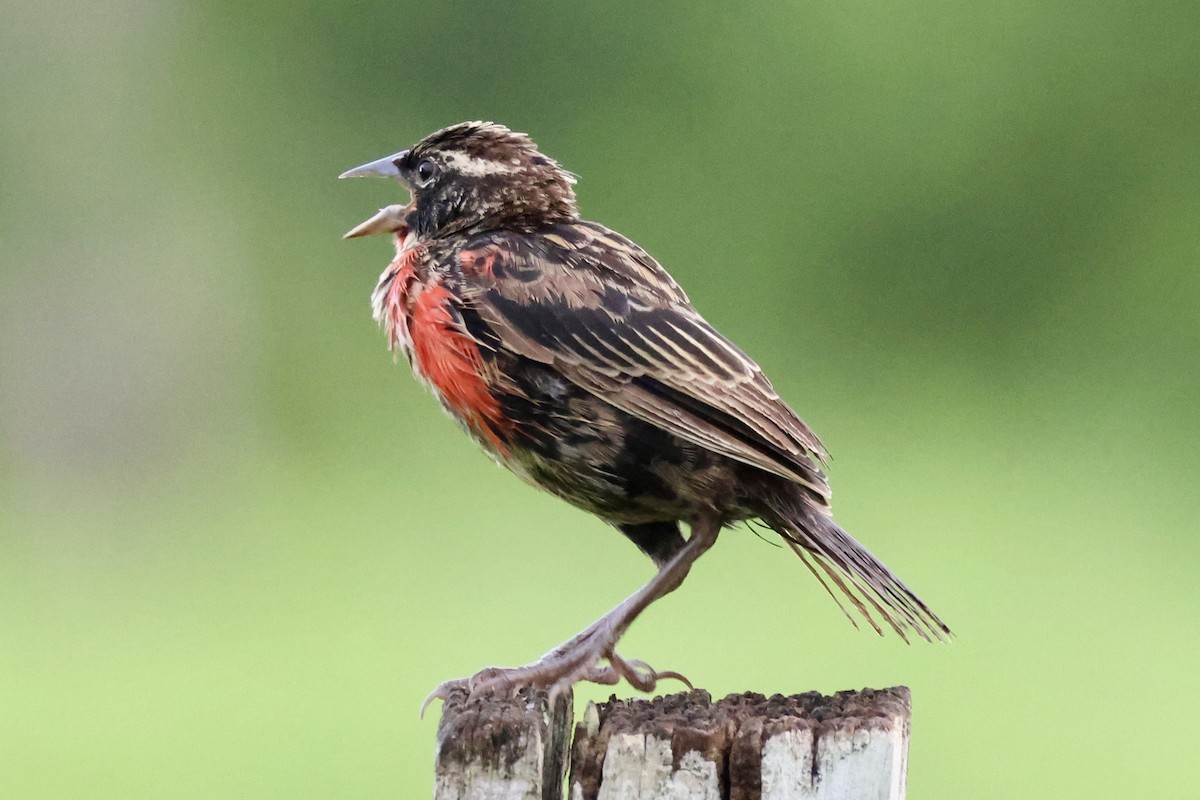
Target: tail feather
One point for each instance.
(800, 551)
(861, 578)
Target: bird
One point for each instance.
(576, 361)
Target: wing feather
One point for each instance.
(607, 316)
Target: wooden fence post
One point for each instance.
(847, 746)
(494, 748)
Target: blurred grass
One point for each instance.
(237, 547)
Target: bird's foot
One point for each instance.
(558, 671)
(582, 657)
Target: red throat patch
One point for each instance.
(450, 361)
(390, 300)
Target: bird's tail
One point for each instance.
(830, 552)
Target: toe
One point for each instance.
(442, 692)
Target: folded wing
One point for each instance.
(608, 317)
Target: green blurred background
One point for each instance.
(238, 545)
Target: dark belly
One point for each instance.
(603, 460)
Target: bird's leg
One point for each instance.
(578, 659)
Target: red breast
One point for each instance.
(420, 319)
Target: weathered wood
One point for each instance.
(495, 748)
(849, 746)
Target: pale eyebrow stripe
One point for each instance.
(473, 167)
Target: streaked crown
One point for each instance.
(480, 176)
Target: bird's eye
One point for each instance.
(426, 171)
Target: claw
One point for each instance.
(486, 681)
(672, 674)
(663, 674)
(641, 675)
(442, 692)
(643, 681)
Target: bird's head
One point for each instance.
(473, 176)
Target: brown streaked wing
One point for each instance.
(600, 310)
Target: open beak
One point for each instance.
(390, 219)
(383, 168)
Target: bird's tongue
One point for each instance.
(389, 220)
